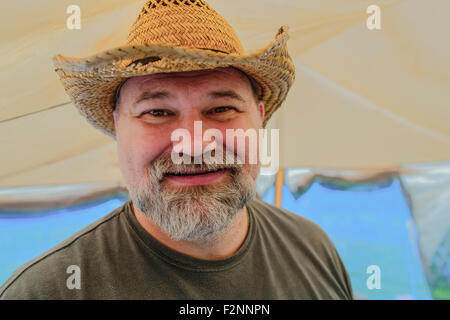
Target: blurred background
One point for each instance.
(364, 133)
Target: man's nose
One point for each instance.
(193, 124)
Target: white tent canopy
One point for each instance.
(362, 99)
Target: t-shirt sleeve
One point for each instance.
(342, 272)
(329, 253)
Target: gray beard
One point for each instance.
(193, 213)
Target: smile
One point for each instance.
(193, 172)
(196, 176)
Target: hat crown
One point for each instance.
(183, 23)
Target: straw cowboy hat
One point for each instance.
(173, 36)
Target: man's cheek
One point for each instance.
(252, 170)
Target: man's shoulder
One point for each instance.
(52, 265)
(293, 229)
(275, 217)
(296, 238)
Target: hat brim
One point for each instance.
(92, 82)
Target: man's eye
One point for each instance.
(220, 109)
(158, 113)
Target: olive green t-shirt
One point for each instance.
(284, 256)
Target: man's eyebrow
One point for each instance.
(155, 95)
(226, 94)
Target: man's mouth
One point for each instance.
(196, 176)
(193, 172)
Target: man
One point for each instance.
(191, 230)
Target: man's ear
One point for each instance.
(261, 110)
(116, 117)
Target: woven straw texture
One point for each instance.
(173, 36)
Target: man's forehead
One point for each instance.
(234, 78)
(210, 73)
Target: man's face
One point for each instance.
(183, 199)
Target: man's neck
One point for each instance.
(222, 247)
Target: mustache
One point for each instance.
(164, 165)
